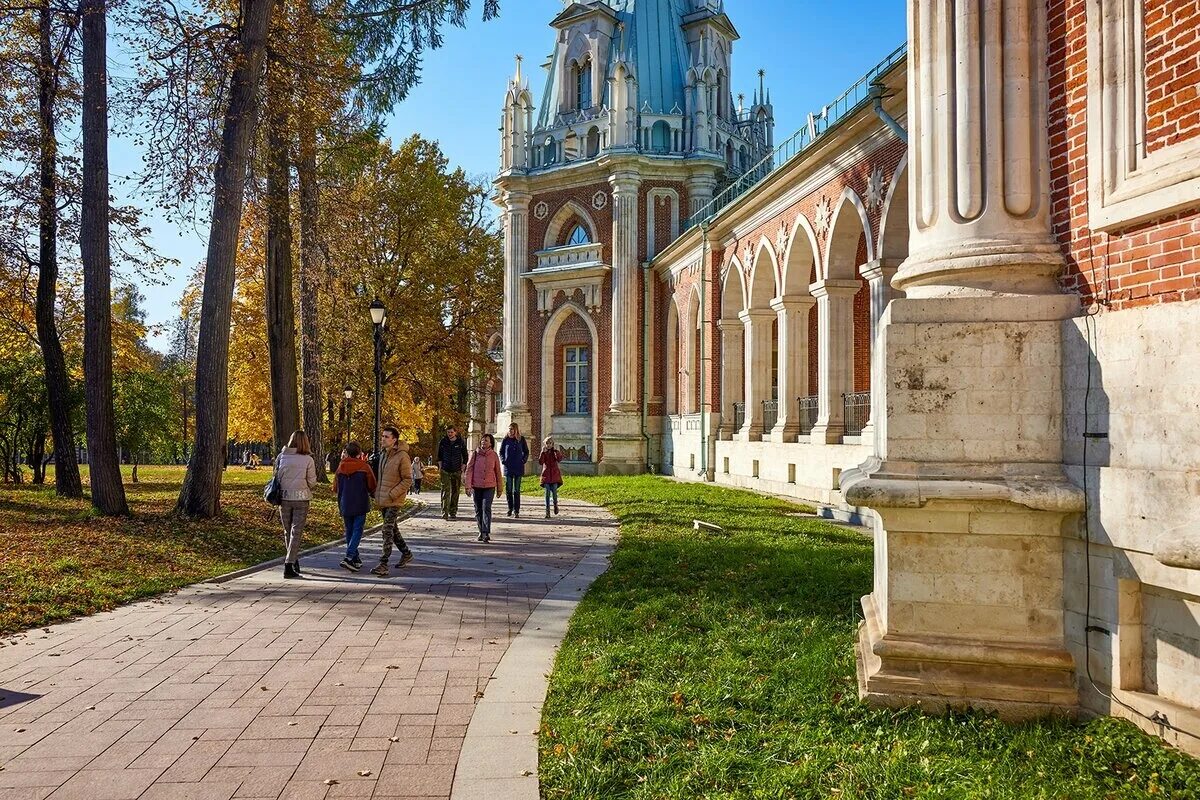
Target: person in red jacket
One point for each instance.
(551, 473)
(483, 480)
(354, 483)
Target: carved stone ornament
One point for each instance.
(541, 210)
(875, 188)
(781, 239)
(822, 220)
(599, 200)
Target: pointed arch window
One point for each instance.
(579, 235)
(583, 85)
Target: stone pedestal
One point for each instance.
(623, 443)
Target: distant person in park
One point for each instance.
(514, 455)
(483, 480)
(332, 459)
(451, 455)
(353, 483)
(297, 476)
(395, 478)
(418, 474)
(551, 472)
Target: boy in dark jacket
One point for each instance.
(354, 483)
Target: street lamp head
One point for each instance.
(378, 312)
(348, 392)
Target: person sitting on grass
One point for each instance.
(354, 483)
(551, 473)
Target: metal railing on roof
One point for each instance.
(849, 102)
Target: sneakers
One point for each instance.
(556, 508)
(289, 571)
(404, 559)
(351, 565)
(381, 571)
(547, 513)
(445, 515)
(508, 513)
(483, 538)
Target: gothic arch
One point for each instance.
(893, 219)
(694, 331)
(671, 367)
(849, 224)
(732, 303)
(570, 210)
(763, 287)
(549, 387)
(801, 259)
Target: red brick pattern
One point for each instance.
(1172, 71)
(862, 327)
(1153, 262)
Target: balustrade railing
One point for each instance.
(770, 414)
(806, 409)
(857, 407)
(739, 416)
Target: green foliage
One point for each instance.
(144, 404)
(705, 666)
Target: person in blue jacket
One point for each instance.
(354, 483)
(514, 453)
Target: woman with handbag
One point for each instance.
(297, 477)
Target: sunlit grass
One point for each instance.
(706, 666)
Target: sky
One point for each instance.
(812, 50)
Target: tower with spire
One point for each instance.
(636, 130)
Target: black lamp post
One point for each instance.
(378, 315)
(348, 393)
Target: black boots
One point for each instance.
(291, 570)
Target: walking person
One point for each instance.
(551, 472)
(353, 483)
(514, 455)
(297, 475)
(451, 455)
(483, 480)
(395, 477)
(418, 474)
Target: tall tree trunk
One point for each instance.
(201, 492)
(108, 494)
(281, 304)
(311, 266)
(37, 455)
(66, 467)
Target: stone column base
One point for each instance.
(624, 445)
(1018, 681)
(504, 418)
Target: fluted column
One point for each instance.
(835, 356)
(625, 293)
(516, 249)
(733, 334)
(979, 168)
(700, 192)
(757, 324)
(792, 314)
(879, 274)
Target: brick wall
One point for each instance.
(1152, 262)
(862, 327)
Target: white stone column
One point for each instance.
(879, 274)
(733, 334)
(757, 323)
(792, 314)
(700, 191)
(970, 498)
(624, 446)
(835, 356)
(516, 325)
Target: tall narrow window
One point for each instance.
(579, 236)
(583, 85)
(577, 381)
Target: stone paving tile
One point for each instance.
(337, 685)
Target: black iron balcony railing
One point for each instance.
(770, 414)
(806, 413)
(739, 416)
(857, 407)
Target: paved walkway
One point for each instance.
(336, 685)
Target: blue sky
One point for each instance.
(812, 50)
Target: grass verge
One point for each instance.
(58, 560)
(706, 666)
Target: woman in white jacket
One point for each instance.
(297, 476)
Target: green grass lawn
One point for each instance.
(705, 666)
(58, 560)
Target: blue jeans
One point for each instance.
(354, 532)
(512, 488)
(551, 491)
(483, 509)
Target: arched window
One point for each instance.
(660, 137)
(583, 85)
(579, 235)
(549, 151)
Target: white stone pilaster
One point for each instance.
(879, 274)
(625, 366)
(757, 323)
(733, 335)
(835, 356)
(516, 326)
(700, 192)
(792, 314)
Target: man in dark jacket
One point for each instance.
(354, 482)
(451, 456)
(514, 453)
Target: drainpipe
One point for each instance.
(877, 95)
(647, 274)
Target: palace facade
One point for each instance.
(957, 306)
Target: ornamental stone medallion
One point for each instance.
(822, 221)
(541, 210)
(875, 188)
(599, 200)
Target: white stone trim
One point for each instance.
(671, 196)
(587, 277)
(549, 387)
(562, 216)
(1126, 184)
(849, 197)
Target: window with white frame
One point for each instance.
(583, 85)
(577, 380)
(579, 235)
